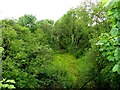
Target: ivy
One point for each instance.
(109, 42)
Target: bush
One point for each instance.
(24, 54)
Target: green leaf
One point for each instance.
(11, 87)
(109, 13)
(11, 81)
(101, 49)
(103, 1)
(1, 49)
(108, 3)
(115, 68)
(104, 53)
(108, 53)
(3, 80)
(5, 85)
(110, 58)
(114, 32)
(116, 53)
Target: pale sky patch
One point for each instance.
(42, 9)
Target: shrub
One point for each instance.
(24, 54)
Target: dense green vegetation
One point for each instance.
(72, 52)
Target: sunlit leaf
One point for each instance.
(115, 68)
(1, 49)
(10, 81)
(110, 58)
(11, 87)
(114, 32)
(5, 85)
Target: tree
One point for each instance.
(75, 32)
(28, 21)
(47, 27)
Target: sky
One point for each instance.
(42, 9)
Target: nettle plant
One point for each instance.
(7, 84)
(109, 42)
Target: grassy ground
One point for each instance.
(79, 71)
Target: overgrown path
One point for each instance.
(78, 70)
